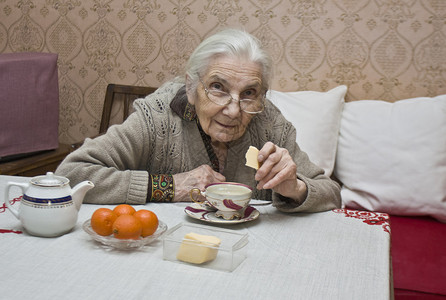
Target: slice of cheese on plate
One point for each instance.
(197, 248)
(251, 157)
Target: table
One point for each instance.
(37, 163)
(340, 254)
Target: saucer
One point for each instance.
(207, 214)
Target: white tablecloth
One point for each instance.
(331, 255)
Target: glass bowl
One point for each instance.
(124, 244)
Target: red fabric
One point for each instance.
(418, 255)
(412, 295)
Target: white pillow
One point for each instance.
(316, 117)
(392, 156)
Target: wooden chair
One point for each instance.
(121, 93)
(114, 94)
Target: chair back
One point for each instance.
(119, 94)
(29, 103)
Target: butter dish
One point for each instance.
(205, 246)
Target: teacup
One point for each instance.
(229, 198)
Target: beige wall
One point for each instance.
(381, 49)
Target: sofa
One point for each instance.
(389, 158)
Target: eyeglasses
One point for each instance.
(249, 105)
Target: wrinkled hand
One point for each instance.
(278, 172)
(196, 178)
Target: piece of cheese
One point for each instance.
(197, 248)
(251, 157)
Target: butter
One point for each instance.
(197, 248)
(251, 157)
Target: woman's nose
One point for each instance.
(233, 108)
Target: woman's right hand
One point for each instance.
(196, 178)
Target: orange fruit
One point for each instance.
(102, 221)
(149, 221)
(124, 209)
(127, 227)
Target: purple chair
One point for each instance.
(29, 103)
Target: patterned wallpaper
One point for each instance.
(381, 49)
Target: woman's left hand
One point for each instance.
(278, 172)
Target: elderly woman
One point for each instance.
(196, 130)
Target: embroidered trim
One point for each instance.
(368, 217)
(181, 106)
(207, 144)
(189, 112)
(10, 231)
(162, 188)
(3, 209)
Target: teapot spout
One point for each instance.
(79, 191)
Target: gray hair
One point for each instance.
(232, 43)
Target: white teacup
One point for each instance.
(229, 198)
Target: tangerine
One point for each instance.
(102, 221)
(127, 227)
(149, 221)
(124, 209)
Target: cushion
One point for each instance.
(392, 156)
(316, 117)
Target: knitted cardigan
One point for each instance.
(156, 140)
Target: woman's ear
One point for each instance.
(190, 90)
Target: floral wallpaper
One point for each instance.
(380, 49)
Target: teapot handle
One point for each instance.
(23, 186)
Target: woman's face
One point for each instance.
(236, 77)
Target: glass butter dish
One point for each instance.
(205, 246)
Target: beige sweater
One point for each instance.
(156, 140)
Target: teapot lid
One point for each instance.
(49, 180)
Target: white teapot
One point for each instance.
(49, 207)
